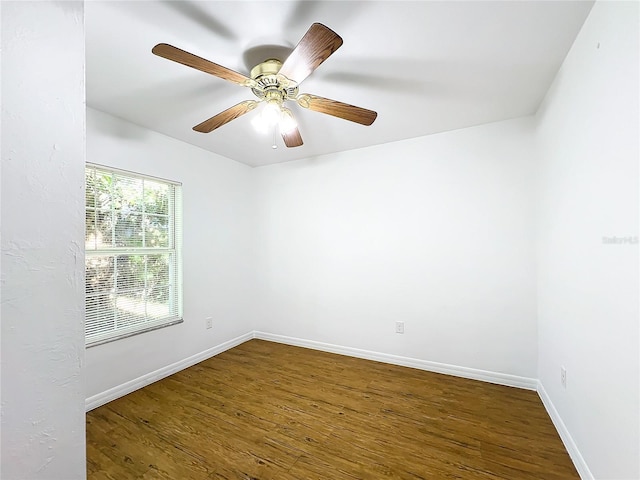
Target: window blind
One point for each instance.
(133, 277)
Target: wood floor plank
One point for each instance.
(267, 411)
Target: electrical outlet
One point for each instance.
(563, 377)
(399, 327)
(209, 321)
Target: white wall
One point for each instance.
(436, 231)
(588, 291)
(218, 249)
(43, 426)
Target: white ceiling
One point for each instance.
(425, 67)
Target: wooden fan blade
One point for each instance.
(315, 47)
(292, 138)
(190, 60)
(226, 116)
(337, 109)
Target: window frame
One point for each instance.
(174, 216)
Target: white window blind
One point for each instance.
(133, 280)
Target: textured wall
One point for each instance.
(42, 241)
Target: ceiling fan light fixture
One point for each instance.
(268, 117)
(271, 113)
(259, 124)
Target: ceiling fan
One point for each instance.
(275, 83)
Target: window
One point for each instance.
(133, 272)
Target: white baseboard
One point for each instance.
(565, 436)
(137, 383)
(472, 373)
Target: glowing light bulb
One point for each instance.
(287, 122)
(269, 117)
(259, 124)
(271, 113)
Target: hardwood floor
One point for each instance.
(266, 411)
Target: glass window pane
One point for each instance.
(158, 302)
(104, 229)
(156, 230)
(156, 197)
(130, 273)
(90, 230)
(157, 276)
(89, 189)
(127, 194)
(99, 274)
(102, 185)
(100, 313)
(131, 308)
(128, 230)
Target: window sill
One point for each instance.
(95, 343)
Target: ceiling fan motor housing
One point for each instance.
(270, 85)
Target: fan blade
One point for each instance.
(190, 60)
(315, 47)
(226, 116)
(337, 109)
(292, 138)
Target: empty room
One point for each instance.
(303, 240)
